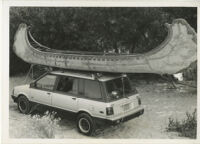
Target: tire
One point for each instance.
(24, 105)
(85, 124)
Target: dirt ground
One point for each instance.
(160, 103)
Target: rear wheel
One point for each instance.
(24, 105)
(85, 124)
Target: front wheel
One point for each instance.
(24, 105)
(85, 124)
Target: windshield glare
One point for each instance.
(118, 88)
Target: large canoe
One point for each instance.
(174, 54)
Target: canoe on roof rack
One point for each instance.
(174, 54)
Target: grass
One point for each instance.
(186, 127)
(45, 125)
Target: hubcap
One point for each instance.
(22, 105)
(84, 125)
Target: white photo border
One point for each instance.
(84, 3)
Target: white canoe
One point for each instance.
(176, 53)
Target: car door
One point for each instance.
(65, 96)
(42, 91)
(91, 98)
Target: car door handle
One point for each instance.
(74, 98)
(48, 93)
(101, 112)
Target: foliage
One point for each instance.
(186, 127)
(37, 126)
(136, 30)
(44, 125)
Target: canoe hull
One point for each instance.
(176, 53)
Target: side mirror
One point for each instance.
(32, 84)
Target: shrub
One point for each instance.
(44, 126)
(186, 127)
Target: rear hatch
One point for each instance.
(124, 105)
(121, 95)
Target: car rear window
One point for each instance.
(118, 88)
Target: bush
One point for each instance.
(43, 126)
(186, 127)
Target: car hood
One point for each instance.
(22, 89)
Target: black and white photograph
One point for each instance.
(102, 72)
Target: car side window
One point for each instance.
(47, 82)
(92, 90)
(68, 85)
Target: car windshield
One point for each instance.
(118, 88)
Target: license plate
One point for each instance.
(126, 107)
